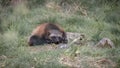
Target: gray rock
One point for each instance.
(105, 42)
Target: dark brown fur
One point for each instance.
(47, 33)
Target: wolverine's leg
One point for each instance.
(33, 40)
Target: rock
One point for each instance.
(75, 38)
(63, 45)
(105, 42)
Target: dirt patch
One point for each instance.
(90, 62)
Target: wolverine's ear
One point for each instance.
(48, 35)
(64, 35)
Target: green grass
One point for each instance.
(17, 23)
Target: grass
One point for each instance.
(17, 23)
(91, 57)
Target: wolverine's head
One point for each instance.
(55, 36)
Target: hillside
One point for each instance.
(95, 18)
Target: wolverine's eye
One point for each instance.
(60, 38)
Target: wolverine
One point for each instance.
(47, 33)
